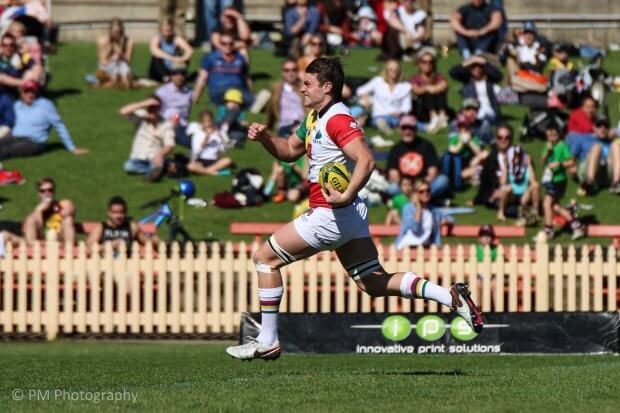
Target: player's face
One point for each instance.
(314, 93)
(117, 214)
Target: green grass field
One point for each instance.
(196, 376)
(91, 116)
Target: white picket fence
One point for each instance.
(44, 290)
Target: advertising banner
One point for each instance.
(504, 333)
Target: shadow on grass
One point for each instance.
(58, 93)
(416, 373)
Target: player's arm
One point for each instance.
(357, 150)
(287, 150)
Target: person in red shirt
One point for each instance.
(581, 123)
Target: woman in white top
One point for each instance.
(208, 146)
(389, 96)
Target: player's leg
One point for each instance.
(282, 248)
(359, 257)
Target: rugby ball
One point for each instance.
(336, 175)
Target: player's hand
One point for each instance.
(257, 132)
(336, 198)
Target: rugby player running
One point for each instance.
(335, 221)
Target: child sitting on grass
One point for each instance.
(208, 145)
(231, 118)
(557, 159)
(398, 201)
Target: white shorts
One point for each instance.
(328, 229)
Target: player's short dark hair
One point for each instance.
(117, 200)
(328, 69)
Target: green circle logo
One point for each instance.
(396, 328)
(460, 330)
(430, 328)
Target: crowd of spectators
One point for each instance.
(481, 148)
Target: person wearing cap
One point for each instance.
(525, 61)
(480, 127)
(464, 151)
(231, 118)
(367, 34)
(431, 91)
(476, 26)
(480, 80)
(417, 158)
(224, 69)
(600, 160)
(34, 117)
(176, 99)
(407, 31)
(390, 97)
(153, 140)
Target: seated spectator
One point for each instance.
(11, 69)
(421, 222)
(417, 158)
(580, 126)
(406, 33)
(431, 92)
(234, 24)
(557, 159)
(525, 62)
(494, 168)
(480, 127)
(167, 50)
(153, 141)
(231, 119)
(383, 10)
(388, 95)
(30, 52)
(602, 160)
(224, 69)
(464, 151)
(115, 51)
(176, 102)
(300, 22)
(335, 22)
(289, 180)
(50, 215)
(208, 146)
(366, 33)
(480, 80)
(34, 117)
(476, 26)
(118, 228)
(398, 201)
(313, 50)
(519, 186)
(285, 109)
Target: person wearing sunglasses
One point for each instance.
(421, 222)
(431, 92)
(285, 108)
(417, 158)
(50, 215)
(222, 70)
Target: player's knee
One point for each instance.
(265, 261)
